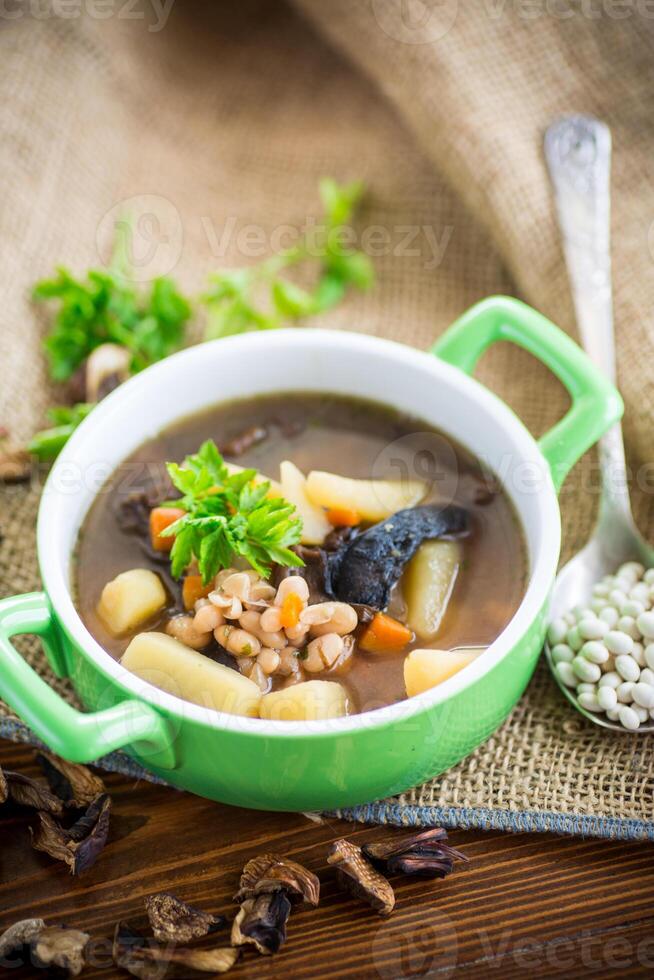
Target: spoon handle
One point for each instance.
(578, 155)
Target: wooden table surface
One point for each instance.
(526, 904)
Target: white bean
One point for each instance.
(638, 653)
(592, 629)
(610, 615)
(323, 652)
(597, 605)
(269, 660)
(556, 632)
(649, 655)
(566, 674)
(182, 628)
(588, 700)
(595, 651)
(628, 718)
(610, 679)
(633, 608)
(641, 593)
(613, 714)
(586, 688)
(643, 695)
(643, 713)
(646, 676)
(625, 692)
(618, 643)
(251, 621)
(208, 618)
(271, 619)
(573, 639)
(607, 698)
(627, 667)
(293, 584)
(562, 652)
(649, 576)
(237, 641)
(646, 624)
(617, 597)
(585, 670)
(627, 624)
(632, 568)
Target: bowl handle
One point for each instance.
(74, 735)
(596, 404)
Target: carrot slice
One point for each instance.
(343, 517)
(160, 519)
(292, 606)
(193, 589)
(385, 633)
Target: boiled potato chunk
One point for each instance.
(428, 583)
(373, 500)
(173, 667)
(315, 526)
(131, 599)
(310, 701)
(424, 669)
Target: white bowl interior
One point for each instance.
(286, 360)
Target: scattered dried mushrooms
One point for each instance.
(143, 957)
(359, 877)
(61, 830)
(424, 853)
(174, 921)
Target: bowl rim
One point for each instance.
(541, 573)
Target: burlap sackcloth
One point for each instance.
(226, 118)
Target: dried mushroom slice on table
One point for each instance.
(72, 783)
(268, 873)
(424, 853)
(25, 791)
(18, 935)
(359, 877)
(174, 921)
(144, 958)
(78, 846)
(261, 922)
(57, 949)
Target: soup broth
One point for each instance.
(344, 436)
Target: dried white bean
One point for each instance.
(595, 651)
(573, 639)
(592, 629)
(588, 700)
(610, 615)
(646, 624)
(556, 632)
(610, 679)
(633, 608)
(627, 624)
(625, 692)
(643, 713)
(648, 577)
(627, 667)
(607, 698)
(562, 652)
(566, 674)
(643, 695)
(649, 655)
(638, 653)
(613, 714)
(585, 670)
(586, 688)
(628, 718)
(646, 676)
(632, 568)
(618, 643)
(617, 597)
(640, 593)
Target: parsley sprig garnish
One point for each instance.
(228, 515)
(232, 301)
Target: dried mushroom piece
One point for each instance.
(60, 948)
(72, 783)
(359, 877)
(174, 921)
(261, 922)
(30, 792)
(17, 936)
(424, 853)
(143, 958)
(78, 846)
(269, 873)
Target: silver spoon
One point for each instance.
(578, 155)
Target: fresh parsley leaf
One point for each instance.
(47, 445)
(104, 307)
(228, 515)
(233, 294)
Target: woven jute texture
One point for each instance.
(221, 122)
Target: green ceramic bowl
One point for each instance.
(297, 765)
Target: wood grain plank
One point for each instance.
(525, 903)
